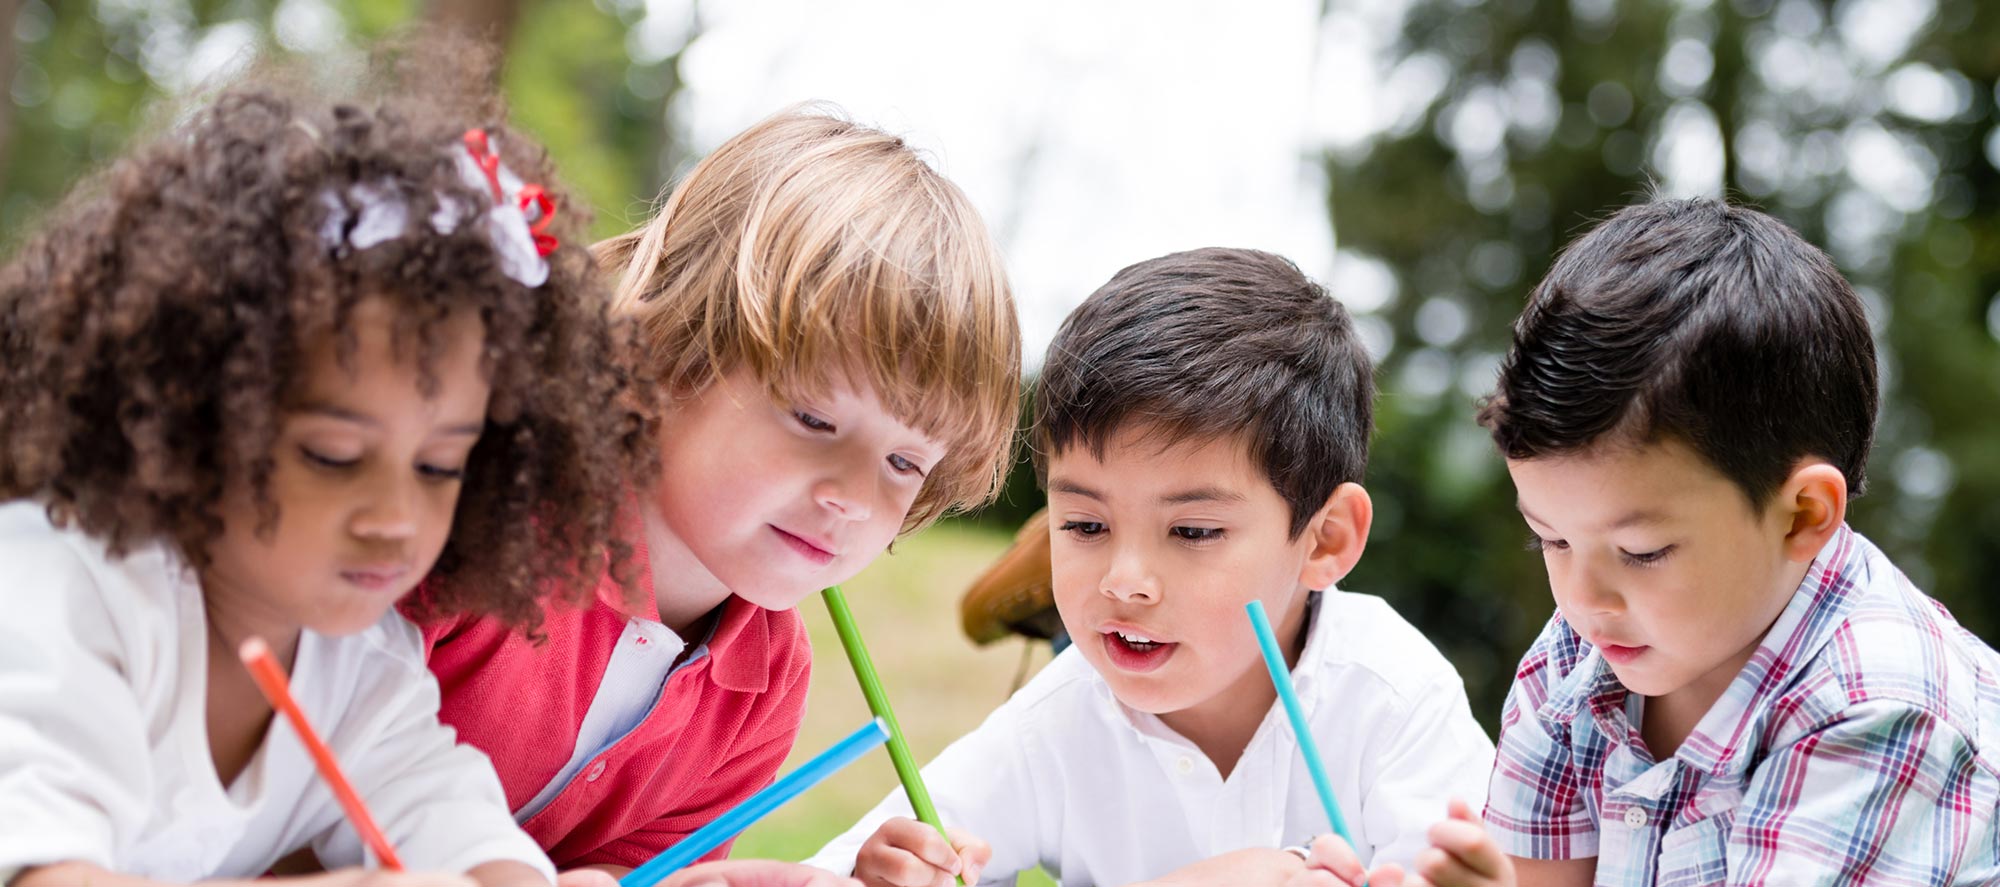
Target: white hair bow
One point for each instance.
(516, 224)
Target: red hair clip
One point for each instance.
(489, 162)
(545, 206)
(477, 145)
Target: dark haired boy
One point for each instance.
(1736, 687)
(1202, 426)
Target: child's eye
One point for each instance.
(1645, 558)
(440, 473)
(904, 465)
(811, 421)
(1537, 543)
(315, 458)
(1085, 529)
(1197, 534)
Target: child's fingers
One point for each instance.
(898, 868)
(1460, 810)
(921, 841)
(380, 878)
(586, 878)
(906, 853)
(1442, 869)
(1470, 846)
(1332, 854)
(1315, 878)
(1389, 875)
(973, 853)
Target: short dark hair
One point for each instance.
(1212, 343)
(1697, 320)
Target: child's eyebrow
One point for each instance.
(1201, 494)
(1074, 489)
(463, 429)
(1640, 516)
(1631, 518)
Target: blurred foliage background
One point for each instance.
(1870, 125)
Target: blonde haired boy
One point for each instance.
(836, 347)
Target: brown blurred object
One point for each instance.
(1016, 595)
(491, 21)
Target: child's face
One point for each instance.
(1156, 552)
(365, 478)
(1658, 560)
(774, 501)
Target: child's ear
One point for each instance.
(1812, 504)
(1337, 534)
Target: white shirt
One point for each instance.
(648, 653)
(1066, 777)
(104, 754)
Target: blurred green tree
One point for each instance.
(1868, 128)
(85, 75)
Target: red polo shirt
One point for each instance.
(722, 725)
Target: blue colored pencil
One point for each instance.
(757, 806)
(1281, 678)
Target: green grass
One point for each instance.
(941, 685)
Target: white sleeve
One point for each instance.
(981, 784)
(75, 771)
(1437, 752)
(439, 803)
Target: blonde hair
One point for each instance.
(813, 250)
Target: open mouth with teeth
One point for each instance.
(1135, 652)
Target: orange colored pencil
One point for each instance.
(270, 678)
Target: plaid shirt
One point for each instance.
(1860, 745)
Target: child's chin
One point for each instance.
(347, 623)
(1151, 697)
(776, 596)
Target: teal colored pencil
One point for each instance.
(1281, 678)
(755, 807)
(878, 702)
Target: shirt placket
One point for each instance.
(1634, 816)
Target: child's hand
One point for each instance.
(1249, 866)
(755, 873)
(1462, 854)
(360, 877)
(906, 853)
(1334, 864)
(586, 877)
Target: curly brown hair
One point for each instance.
(151, 333)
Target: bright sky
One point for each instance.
(1091, 135)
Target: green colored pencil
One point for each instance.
(878, 702)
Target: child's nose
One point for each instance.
(1128, 579)
(1588, 591)
(847, 498)
(391, 510)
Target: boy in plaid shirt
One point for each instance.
(1736, 688)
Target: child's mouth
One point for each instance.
(1136, 653)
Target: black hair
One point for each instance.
(1208, 344)
(1697, 320)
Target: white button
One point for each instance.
(1185, 765)
(1635, 817)
(595, 771)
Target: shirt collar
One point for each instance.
(1816, 610)
(1587, 683)
(739, 643)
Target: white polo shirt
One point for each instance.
(1066, 777)
(104, 754)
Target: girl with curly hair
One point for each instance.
(256, 380)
